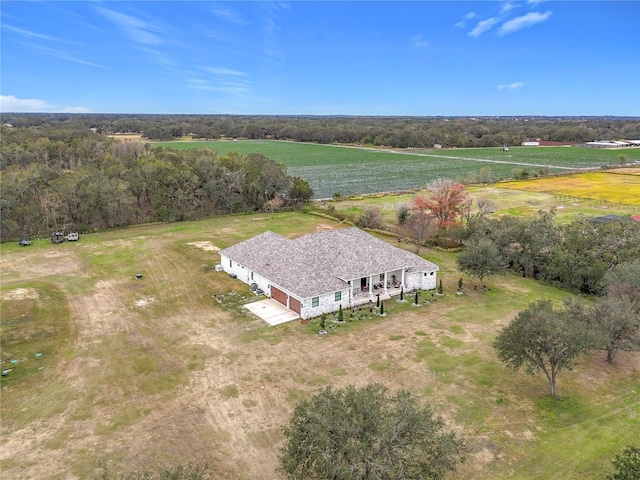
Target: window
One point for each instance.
(251, 275)
(432, 274)
(338, 296)
(382, 277)
(230, 263)
(315, 301)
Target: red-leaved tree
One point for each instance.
(445, 201)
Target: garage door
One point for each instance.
(294, 304)
(279, 295)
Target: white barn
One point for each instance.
(319, 272)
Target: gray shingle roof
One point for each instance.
(351, 253)
(322, 262)
(283, 263)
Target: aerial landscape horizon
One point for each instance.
(354, 240)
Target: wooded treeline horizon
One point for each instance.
(391, 131)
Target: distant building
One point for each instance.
(610, 144)
(530, 144)
(609, 218)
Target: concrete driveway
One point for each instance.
(271, 311)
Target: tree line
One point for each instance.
(65, 180)
(397, 132)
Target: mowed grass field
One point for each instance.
(169, 369)
(349, 170)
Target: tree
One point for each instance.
(366, 433)
(371, 218)
(445, 200)
(542, 338)
(481, 259)
(623, 281)
(419, 224)
(616, 325)
(622, 159)
(627, 464)
(300, 191)
(403, 214)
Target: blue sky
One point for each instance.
(322, 58)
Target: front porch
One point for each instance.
(363, 297)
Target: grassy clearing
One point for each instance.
(172, 369)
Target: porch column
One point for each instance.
(371, 285)
(385, 282)
(402, 277)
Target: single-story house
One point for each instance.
(319, 272)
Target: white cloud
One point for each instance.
(419, 42)
(138, 30)
(511, 86)
(225, 71)
(507, 6)
(62, 55)
(10, 103)
(524, 21)
(462, 23)
(483, 26)
(228, 15)
(32, 35)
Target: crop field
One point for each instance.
(621, 187)
(331, 169)
(107, 371)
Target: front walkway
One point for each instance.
(271, 311)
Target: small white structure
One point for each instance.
(319, 272)
(530, 144)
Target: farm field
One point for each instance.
(169, 368)
(348, 170)
(590, 194)
(619, 187)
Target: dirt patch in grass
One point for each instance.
(205, 245)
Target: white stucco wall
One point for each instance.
(326, 304)
(421, 280)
